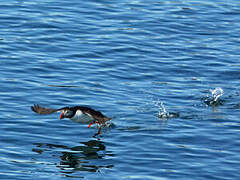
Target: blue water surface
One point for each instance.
(123, 58)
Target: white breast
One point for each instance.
(80, 117)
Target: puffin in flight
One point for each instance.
(80, 114)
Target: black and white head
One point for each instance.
(66, 113)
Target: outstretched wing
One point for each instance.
(97, 115)
(42, 110)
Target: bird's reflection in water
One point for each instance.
(78, 158)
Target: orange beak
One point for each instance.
(61, 116)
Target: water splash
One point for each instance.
(216, 93)
(163, 112)
(213, 99)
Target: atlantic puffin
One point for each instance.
(80, 114)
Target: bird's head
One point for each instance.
(66, 113)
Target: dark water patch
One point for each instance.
(70, 160)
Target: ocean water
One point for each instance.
(128, 59)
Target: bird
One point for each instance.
(80, 114)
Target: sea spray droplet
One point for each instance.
(164, 114)
(213, 99)
(162, 111)
(216, 93)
